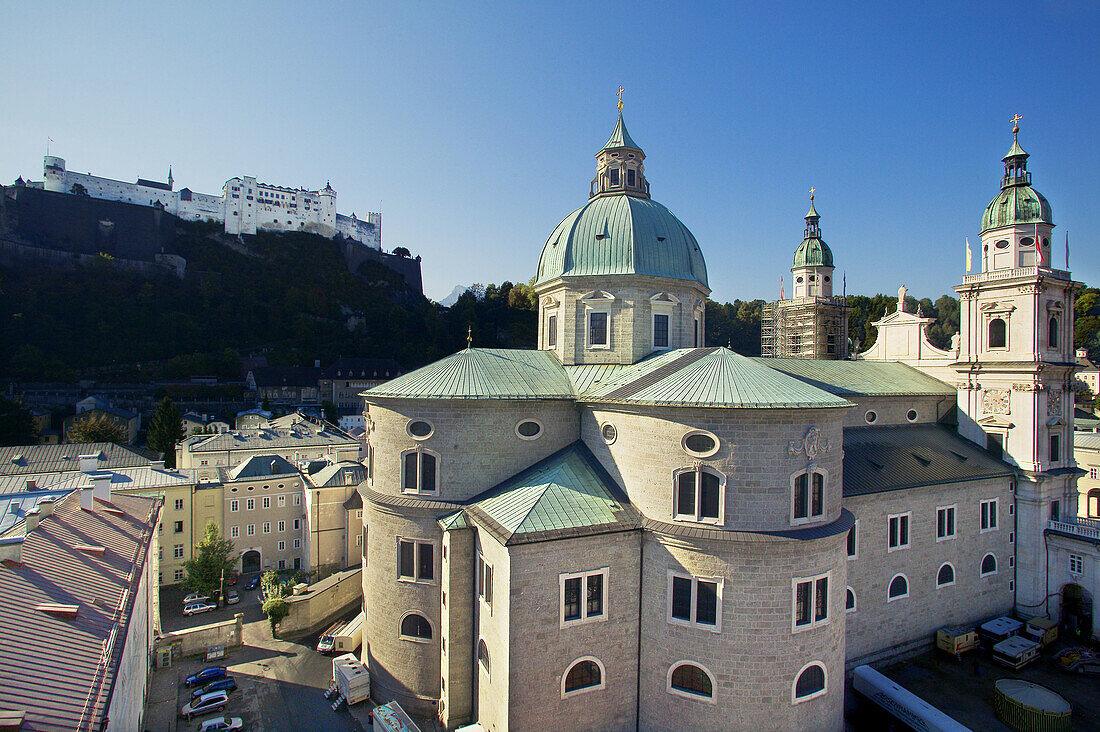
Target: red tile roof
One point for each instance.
(57, 666)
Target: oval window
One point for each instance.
(528, 429)
(1027, 241)
(700, 444)
(1002, 244)
(827, 278)
(811, 278)
(870, 416)
(911, 415)
(799, 279)
(609, 433)
(420, 429)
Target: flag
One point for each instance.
(780, 287)
(844, 279)
(1042, 260)
(1067, 250)
(968, 254)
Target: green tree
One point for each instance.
(16, 425)
(332, 414)
(165, 430)
(97, 428)
(266, 405)
(275, 605)
(213, 559)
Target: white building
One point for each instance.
(245, 206)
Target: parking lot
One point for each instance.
(280, 683)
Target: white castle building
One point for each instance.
(245, 205)
(625, 529)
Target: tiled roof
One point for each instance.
(567, 494)
(878, 459)
(362, 368)
(1087, 440)
(483, 373)
(301, 435)
(286, 375)
(860, 378)
(709, 377)
(61, 669)
(261, 466)
(50, 458)
(1084, 419)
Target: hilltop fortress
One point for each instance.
(243, 207)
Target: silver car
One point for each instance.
(215, 701)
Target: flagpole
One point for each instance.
(1067, 250)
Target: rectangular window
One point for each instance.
(250, 504)
(582, 596)
(177, 551)
(1055, 452)
(250, 530)
(597, 330)
(178, 575)
(630, 177)
(297, 543)
(234, 505)
(810, 602)
(809, 497)
(995, 444)
(178, 527)
(179, 504)
(1055, 510)
(267, 501)
(695, 601)
(1094, 473)
(267, 527)
(234, 531)
(358, 539)
(698, 496)
(1076, 564)
(660, 330)
(552, 331)
(899, 532)
(282, 546)
(281, 526)
(420, 472)
(297, 524)
(945, 523)
(613, 173)
(853, 541)
(282, 564)
(281, 501)
(415, 560)
(297, 500)
(989, 515)
(484, 580)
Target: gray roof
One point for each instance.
(50, 458)
(65, 663)
(343, 473)
(261, 466)
(878, 459)
(300, 435)
(1087, 440)
(860, 378)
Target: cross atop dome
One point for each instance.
(619, 167)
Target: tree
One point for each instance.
(97, 428)
(16, 425)
(332, 414)
(78, 190)
(165, 430)
(402, 252)
(275, 605)
(214, 557)
(266, 405)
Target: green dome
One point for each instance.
(813, 252)
(1018, 204)
(622, 235)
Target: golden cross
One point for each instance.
(621, 90)
(1016, 123)
(469, 335)
(812, 193)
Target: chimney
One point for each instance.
(32, 520)
(1082, 353)
(86, 498)
(89, 463)
(157, 465)
(45, 507)
(101, 485)
(32, 485)
(11, 549)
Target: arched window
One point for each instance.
(699, 495)
(483, 656)
(419, 469)
(687, 679)
(1052, 339)
(810, 683)
(998, 333)
(989, 565)
(849, 600)
(586, 674)
(1092, 503)
(808, 496)
(946, 575)
(899, 588)
(416, 627)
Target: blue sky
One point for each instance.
(475, 124)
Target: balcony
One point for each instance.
(1015, 272)
(1086, 528)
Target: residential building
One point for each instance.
(1088, 372)
(201, 423)
(29, 459)
(299, 440)
(79, 573)
(286, 386)
(334, 514)
(344, 381)
(263, 513)
(96, 407)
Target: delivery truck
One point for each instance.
(349, 637)
(350, 679)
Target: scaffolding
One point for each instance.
(805, 327)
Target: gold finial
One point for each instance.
(621, 90)
(469, 335)
(1016, 124)
(812, 193)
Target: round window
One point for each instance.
(870, 416)
(799, 279)
(911, 415)
(812, 278)
(827, 278)
(700, 444)
(528, 429)
(420, 429)
(609, 433)
(1002, 244)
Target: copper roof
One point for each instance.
(58, 667)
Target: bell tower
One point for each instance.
(1015, 365)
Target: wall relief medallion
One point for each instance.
(1027, 386)
(812, 445)
(995, 401)
(1054, 404)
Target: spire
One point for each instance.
(812, 219)
(620, 138)
(169, 177)
(619, 167)
(1016, 160)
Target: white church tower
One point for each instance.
(1015, 369)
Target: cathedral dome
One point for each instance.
(622, 235)
(1017, 204)
(813, 251)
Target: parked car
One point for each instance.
(233, 579)
(195, 597)
(215, 701)
(232, 597)
(227, 684)
(208, 674)
(222, 724)
(194, 608)
(253, 583)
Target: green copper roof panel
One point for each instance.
(813, 252)
(482, 373)
(619, 137)
(709, 377)
(878, 459)
(567, 494)
(587, 376)
(860, 378)
(1015, 151)
(622, 234)
(456, 520)
(1017, 204)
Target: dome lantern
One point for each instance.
(619, 164)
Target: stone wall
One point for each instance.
(194, 641)
(322, 603)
